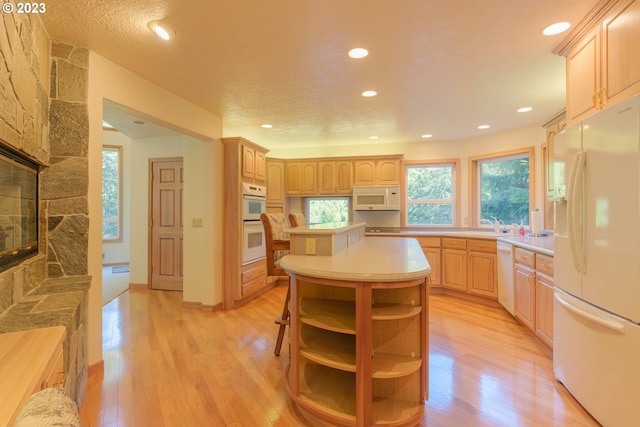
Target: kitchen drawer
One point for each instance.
(544, 264)
(429, 242)
(253, 271)
(525, 257)
(482, 246)
(453, 243)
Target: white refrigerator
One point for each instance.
(596, 349)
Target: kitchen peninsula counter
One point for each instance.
(359, 333)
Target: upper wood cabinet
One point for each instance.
(301, 178)
(335, 177)
(603, 65)
(377, 171)
(253, 163)
(275, 182)
(553, 127)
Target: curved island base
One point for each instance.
(359, 339)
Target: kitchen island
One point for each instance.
(359, 333)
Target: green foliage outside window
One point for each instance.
(430, 194)
(504, 189)
(327, 210)
(110, 193)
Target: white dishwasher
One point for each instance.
(505, 276)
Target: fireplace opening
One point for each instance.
(18, 208)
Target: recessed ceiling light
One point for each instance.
(369, 93)
(484, 127)
(358, 53)
(374, 137)
(524, 109)
(106, 125)
(426, 135)
(557, 28)
(267, 126)
(161, 29)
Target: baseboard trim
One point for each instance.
(199, 305)
(96, 369)
(139, 285)
(115, 264)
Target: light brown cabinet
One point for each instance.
(454, 263)
(253, 163)
(431, 248)
(553, 127)
(544, 298)
(533, 287)
(335, 177)
(301, 178)
(253, 277)
(482, 271)
(376, 171)
(470, 266)
(275, 183)
(244, 161)
(603, 67)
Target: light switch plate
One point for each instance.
(196, 223)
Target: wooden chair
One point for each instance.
(297, 219)
(277, 246)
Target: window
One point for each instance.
(322, 210)
(111, 193)
(503, 187)
(431, 193)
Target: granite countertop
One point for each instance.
(542, 244)
(374, 259)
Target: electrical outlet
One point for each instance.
(310, 246)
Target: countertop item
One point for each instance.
(373, 259)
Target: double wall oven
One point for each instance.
(254, 202)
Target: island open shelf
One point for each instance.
(358, 334)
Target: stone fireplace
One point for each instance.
(43, 118)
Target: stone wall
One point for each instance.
(43, 115)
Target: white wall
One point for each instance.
(203, 129)
(118, 252)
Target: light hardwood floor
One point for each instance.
(166, 365)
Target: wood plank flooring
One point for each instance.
(166, 365)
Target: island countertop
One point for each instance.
(373, 259)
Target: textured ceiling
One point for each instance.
(440, 67)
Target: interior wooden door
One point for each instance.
(166, 224)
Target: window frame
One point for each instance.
(119, 150)
(474, 169)
(455, 191)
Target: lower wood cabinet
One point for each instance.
(533, 288)
(359, 351)
(470, 265)
(253, 277)
(431, 248)
(524, 289)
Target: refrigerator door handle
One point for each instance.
(572, 205)
(577, 223)
(611, 325)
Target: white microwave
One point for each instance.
(376, 198)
